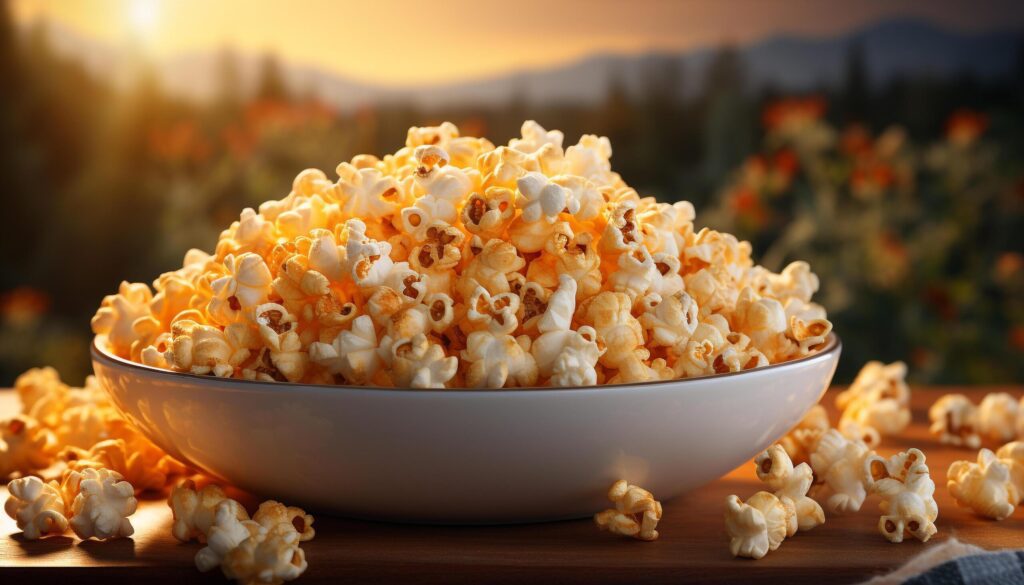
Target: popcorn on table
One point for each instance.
(465, 244)
(636, 512)
(906, 489)
(985, 486)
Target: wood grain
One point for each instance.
(692, 544)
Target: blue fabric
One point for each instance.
(995, 568)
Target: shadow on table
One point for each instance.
(42, 546)
(118, 549)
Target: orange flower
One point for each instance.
(793, 111)
(965, 126)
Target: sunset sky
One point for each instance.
(398, 43)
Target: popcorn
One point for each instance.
(790, 484)
(636, 512)
(409, 240)
(953, 421)
(42, 395)
(497, 359)
(228, 530)
(118, 313)
(101, 508)
(353, 354)
(906, 488)
(246, 285)
(996, 417)
(1012, 455)
(196, 510)
(878, 398)
(24, 446)
(418, 363)
(838, 462)
(985, 487)
(803, 439)
(270, 556)
(271, 513)
(114, 455)
(756, 526)
(36, 507)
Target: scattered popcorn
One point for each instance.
(878, 398)
(25, 446)
(269, 556)
(907, 491)
(996, 417)
(136, 466)
(1012, 454)
(791, 485)
(195, 510)
(37, 507)
(229, 529)
(101, 508)
(636, 512)
(802, 439)
(985, 487)
(838, 462)
(271, 513)
(953, 420)
(334, 281)
(756, 526)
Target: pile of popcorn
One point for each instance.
(71, 461)
(455, 263)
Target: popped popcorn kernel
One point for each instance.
(985, 486)
(103, 502)
(636, 513)
(25, 446)
(906, 489)
(37, 507)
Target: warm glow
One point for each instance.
(143, 15)
(409, 43)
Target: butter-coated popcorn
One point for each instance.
(227, 531)
(271, 556)
(196, 510)
(953, 420)
(420, 363)
(802, 439)
(756, 526)
(42, 394)
(118, 313)
(985, 486)
(775, 468)
(25, 446)
(404, 243)
(271, 513)
(135, 465)
(37, 507)
(636, 512)
(838, 462)
(102, 505)
(906, 489)
(1012, 454)
(996, 417)
(878, 397)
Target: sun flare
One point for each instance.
(143, 15)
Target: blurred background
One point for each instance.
(882, 141)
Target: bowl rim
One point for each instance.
(832, 345)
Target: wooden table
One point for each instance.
(692, 544)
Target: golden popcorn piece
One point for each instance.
(839, 463)
(985, 486)
(42, 395)
(270, 556)
(136, 466)
(196, 510)
(119, 312)
(25, 446)
(489, 214)
(498, 360)
(102, 504)
(953, 419)
(996, 417)
(636, 512)
(878, 398)
(353, 354)
(246, 284)
(756, 526)
(36, 507)
(791, 485)
(420, 363)
(271, 513)
(230, 528)
(1012, 454)
(802, 439)
(906, 490)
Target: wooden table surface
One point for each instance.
(693, 543)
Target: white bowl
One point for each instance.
(464, 456)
